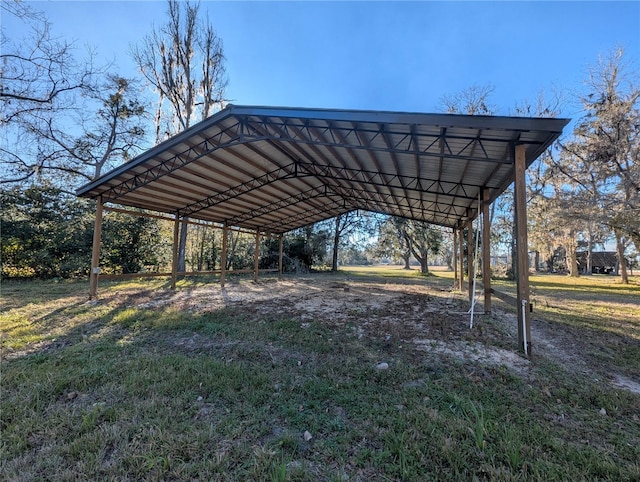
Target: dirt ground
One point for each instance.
(432, 319)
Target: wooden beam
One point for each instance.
(223, 256)
(507, 298)
(190, 222)
(522, 250)
(280, 252)
(461, 260)
(455, 258)
(95, 252)
(256, 257)
(486, 251)
(174, 252)
(470, 257)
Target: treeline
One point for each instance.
(66, 120)
(47, 233)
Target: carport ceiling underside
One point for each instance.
(275, 169)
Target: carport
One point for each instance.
(269, 170)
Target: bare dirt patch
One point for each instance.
(394, 312)
(432, 320)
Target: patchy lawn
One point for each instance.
(364, 375)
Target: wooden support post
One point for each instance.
(470, 246)
(174, 252)
(95, 252)
(455, 258)
(223, 256)
(280, 242)
(522, 250)
(256, 258)
(461, 260)
(486, 251)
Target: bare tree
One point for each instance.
(41, 83)
(183, 62)
(473, 100)
(108, 138)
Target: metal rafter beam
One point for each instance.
(386, 201)
(224, 138)
(334, 208)
(355, 138)
(374, 178)
(334, 132)
(360, 134)
(394, 158)
(286, 172)
(280, 204)
(443, 132)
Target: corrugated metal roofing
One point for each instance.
(275, 169)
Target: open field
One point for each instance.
(281, 380)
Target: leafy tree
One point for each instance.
(392, 243)
(132, 244)
(306, 247)
(423, 239)
(45, 233)
(202, 252)
(64, 121)
(600, 163)
(610, 132)
(400, 237)
(48, 233)
(344, 230)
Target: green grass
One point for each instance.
(115, 391)
(600, 315)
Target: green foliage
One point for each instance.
(48, 234)
(45, 233)
(132, 244)
(401, 238)
(302, 249)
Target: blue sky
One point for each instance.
(377, 55)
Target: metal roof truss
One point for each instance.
(277, 169)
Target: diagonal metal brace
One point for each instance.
(286, 172)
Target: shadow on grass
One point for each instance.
(228, 394)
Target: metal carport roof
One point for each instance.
(274, 169)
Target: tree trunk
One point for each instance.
(211, 264)
(231, 251)
(588, 270)
(424, 264)
(572, 256)
(406, 257)
(621, 261)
